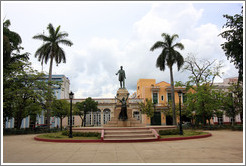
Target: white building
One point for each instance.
(224, 86)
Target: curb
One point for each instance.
(66, 140)
(121, 141)
(184, 138)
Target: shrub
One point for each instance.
(237, 128)
(82, 134)
(169, 132)
(14, 131)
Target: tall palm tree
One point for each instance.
(168, 57)
(50, 50)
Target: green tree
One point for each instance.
(20, 95)
(50, 50)
(79, 109)
(168, 57)
(205, 101)
(11, 44)
(233, 47)
(233, 103)
(85, 106)
(24, 96)
(60, 109)
(147, 108)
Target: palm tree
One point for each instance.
(50, 50)
(169, 56)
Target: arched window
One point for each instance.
(97, 118)
(106, 115)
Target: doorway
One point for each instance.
(156, 119)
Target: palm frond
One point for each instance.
(174, 36)
(60, 57)
(158, 44)
(161, 60)
(61, 35)
(179, 60)
(179, 45)
(65, 42)
(41, 37)
(57, 30)
(165, 35)
(51, 30)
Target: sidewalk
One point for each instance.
(222, 147)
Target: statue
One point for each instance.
(122, 76)
(123, 112)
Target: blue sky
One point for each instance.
(107, 35)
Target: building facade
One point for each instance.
(106, 108)
(224, 87)
(160, 94)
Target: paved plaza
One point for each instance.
(222, 147)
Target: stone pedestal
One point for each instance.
(130, 122)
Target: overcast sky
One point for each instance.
(107, 35)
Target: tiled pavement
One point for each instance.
(222, 147)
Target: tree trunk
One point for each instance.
(233, 120)
(19, 120)
(81, 120)
(241, 117)
(61, 123)
(203, 114)
(49, 86)
(172, 96)
(4, 122)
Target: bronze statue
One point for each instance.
(123, 112)
(122, 77)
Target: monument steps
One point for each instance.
(113, 132)
(131, 134)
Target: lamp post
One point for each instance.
(84, 115)
(71, 98)
(180, 120)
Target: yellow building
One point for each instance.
(160, 94)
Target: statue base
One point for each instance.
(130, 122)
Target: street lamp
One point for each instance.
(84, 115)
(180, 120)
(71, 98)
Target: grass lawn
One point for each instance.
(59, 135)
(187, 133)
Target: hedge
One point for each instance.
(82, 134)
(14, 131)
(169, 132)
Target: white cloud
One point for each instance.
(97, 55)
(136, 57)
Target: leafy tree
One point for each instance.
(79, 110)
(11, 43)
(50, 50)
(23, 97)
(204, 101)
(233, 47)
(168, 57)
(60, 109)
(85, 106)
(233, 103)
(20, 81)
(147, 108)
